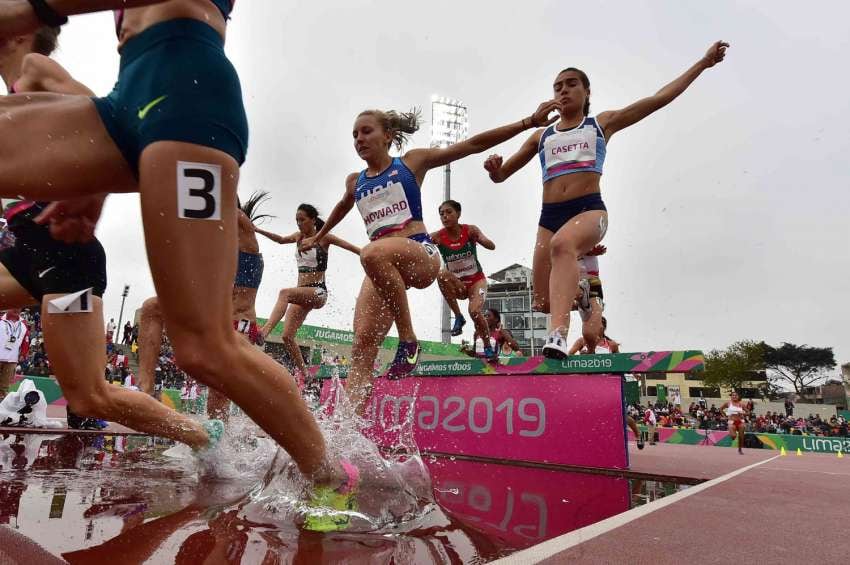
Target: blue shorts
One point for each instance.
(555, 214)
(175, 84)
(249, 272)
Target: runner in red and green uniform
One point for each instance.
(462, 277)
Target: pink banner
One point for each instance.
(561, 419)
(522, 506)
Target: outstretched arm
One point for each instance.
(342, 208)
(421, 160)
(478, 237)
(501, 172)
(614, 121)
(339, 242)
(17, 17)
(292, 238)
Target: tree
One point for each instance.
(800, 366)
(735, 366)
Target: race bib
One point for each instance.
(462, 266)
(574, 149)
(384, 208)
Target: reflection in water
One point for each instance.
(102, 499)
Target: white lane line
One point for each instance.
(556, 545)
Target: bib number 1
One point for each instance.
(198, 191)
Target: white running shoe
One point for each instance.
(584, 308)
(556, 346)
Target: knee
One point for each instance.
(150, 308)
(563, 248)
(371, 257)
(283, 295)
(202, 357)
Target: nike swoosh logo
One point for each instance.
(45, 271)
(412, 360)
(144, 111)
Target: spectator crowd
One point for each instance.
(704, 417)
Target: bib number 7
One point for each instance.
(198, 191)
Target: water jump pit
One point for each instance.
(492, 463)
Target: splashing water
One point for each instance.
(395, 487)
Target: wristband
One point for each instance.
(47, 15)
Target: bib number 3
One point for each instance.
(198, 191)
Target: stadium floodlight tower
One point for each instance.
(449, 124)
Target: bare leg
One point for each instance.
(278, 312)
(189, 256)
(373, 318)
(243, 303)
(542, 266)
(477, 295)
(592, 328)
(575, 237)
(294, 319)
(393, 264)
(448, 286)
(150, 341)
(75, 345)
(64, 150)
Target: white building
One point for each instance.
(509, 292)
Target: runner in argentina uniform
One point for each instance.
(401, 255)
(463, 278)
(572, 153)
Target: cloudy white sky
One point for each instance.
(729, 209)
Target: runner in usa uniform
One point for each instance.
(462, 278)
(175, 130)
(572, 153)
(401, 254)
(311, 292)
(37, 269)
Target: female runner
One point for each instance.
(572, 153)
(35, 269)
(735, 411)
(401, 254)
(311, 292)
(175, 130)
(463, 278)
(602, 344)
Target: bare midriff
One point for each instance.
(136, 20)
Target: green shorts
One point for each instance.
(176, 84)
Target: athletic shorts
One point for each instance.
(321, 288)
(426, 242)
(469, 281)
(43, 265)
(249, 273)
(175, 84)
(736, 424)
(555, 214)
